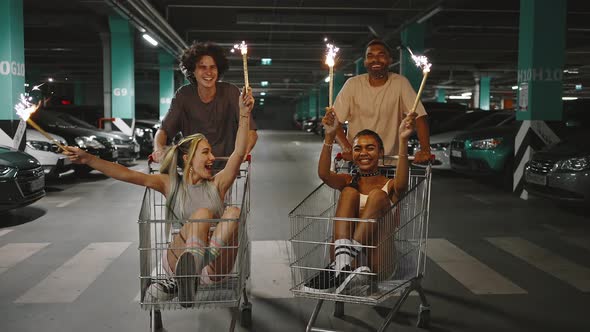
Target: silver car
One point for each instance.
(562, 171)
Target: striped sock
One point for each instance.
(197, 247)
(346, 250)
(215, 246)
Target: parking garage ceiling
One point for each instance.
(464, 39)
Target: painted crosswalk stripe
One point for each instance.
(471, 273)
(65, 284)
(14, 253)
(555, 265)
(5, 231)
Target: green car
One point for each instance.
(486, 151)
(22, 180)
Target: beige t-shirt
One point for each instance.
(380, 109)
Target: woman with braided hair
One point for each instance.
(196, 194)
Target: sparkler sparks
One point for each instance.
(24, 108)
(421, 61)
(244, 50)
(331, 52)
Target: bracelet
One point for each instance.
(328, 145)
(244, 116)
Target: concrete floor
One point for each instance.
(496, 262)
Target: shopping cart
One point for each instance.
(227, 289)
(399, 243)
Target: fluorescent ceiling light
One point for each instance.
(466, 94)
(150, 39)
(429, 15)
(515, 87)
(264, 83)
(327, 79)
(266, 61)
(50, 79)
(460, 97)
(263, 93)
(569, 98)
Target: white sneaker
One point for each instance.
(160, 290)
(352, 281)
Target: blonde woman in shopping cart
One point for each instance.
(196, 194)
(367, 195)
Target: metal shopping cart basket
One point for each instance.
(226, 289)
(399, 241)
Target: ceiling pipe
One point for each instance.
(139, 25)
(179, 48)
(164, 23)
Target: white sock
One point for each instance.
(345, 251)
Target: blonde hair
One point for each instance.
(172, 160)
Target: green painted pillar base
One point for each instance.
(412, 37)
(166, 81)
(12, 71)
(122, 72)
(484, 93)
(441, 95)
(541, 48)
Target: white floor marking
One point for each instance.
(14, 253)
(471, 273)
(555, 265)
(65, 284)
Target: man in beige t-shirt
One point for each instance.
(379, 101)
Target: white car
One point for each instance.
(54, 164)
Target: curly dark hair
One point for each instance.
(196, 51)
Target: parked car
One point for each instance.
(486, 151)
(22, 180)
(440, 143)
(561, 171)
(127, 147)
(93, 141)
(54, 163)
(145, 132)
(309, 125)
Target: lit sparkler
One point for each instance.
(331, 52)
(421, 62)
(244, 50)
(24, 108)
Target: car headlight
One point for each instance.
(40, 145)
(439, 146)
(6, 171)
(486, 144)
(139, 132)
(88, 142)
(574, 164)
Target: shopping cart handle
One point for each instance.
(339, 156)
(249, 158)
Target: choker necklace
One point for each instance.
(375, 173)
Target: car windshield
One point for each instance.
(492, 120)
(51, 119)
(73, 120)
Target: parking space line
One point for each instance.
(5, 231)
(14, 253)
(555, 265)
(68, 202)
(470, 272)
(481, 200)
(577, 241)
(65, 284)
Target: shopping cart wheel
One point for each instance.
(423, 318)
(246, 315)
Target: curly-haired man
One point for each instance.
(205, 106)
